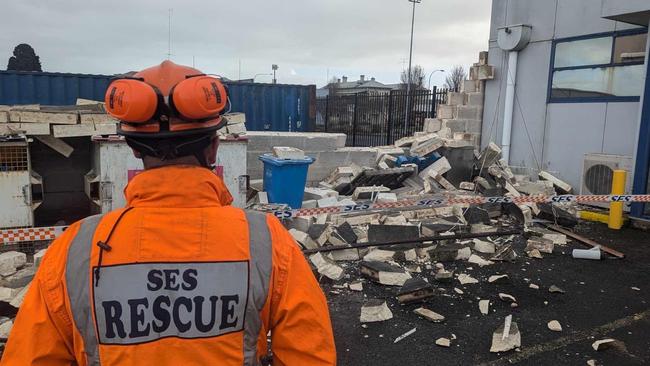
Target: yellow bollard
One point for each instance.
(616, 208)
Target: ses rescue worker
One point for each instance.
(178, 277)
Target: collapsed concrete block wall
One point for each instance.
(327, 148)
(463, 112)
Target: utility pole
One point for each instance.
(408, 85)
(274, 67)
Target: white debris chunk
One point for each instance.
(429, 315)
(356, 286)
(38, 257)
(484, 306)
(485, 247)
(443, 342)
(304, 239)
(375, 311)
(6, 294)
(11, 261)
(506, 337)
(458, 291)
(555, 326)
(405, 335)
(602, 344)
(393, 278)
(466, 279)
(507, 298)
(463, 254)
(326, 267)
(285, 152)
(478, 260)
(533, 286)
(495, 278)
(378, 255)
(5, 329)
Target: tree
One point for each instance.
(455, 78)
(417, 78)
(24, 59)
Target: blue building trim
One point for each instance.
(642, 167)
(604, 99)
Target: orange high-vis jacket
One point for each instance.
(176, 284)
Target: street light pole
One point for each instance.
(430, 75)
(274, 67)
(408, 85)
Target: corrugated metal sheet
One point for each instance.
(271, 107)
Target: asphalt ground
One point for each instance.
(598, 303)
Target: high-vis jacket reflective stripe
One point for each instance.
(78, 285)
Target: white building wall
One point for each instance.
(555, 136)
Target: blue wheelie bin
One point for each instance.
(285, 179)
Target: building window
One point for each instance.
(603, 67)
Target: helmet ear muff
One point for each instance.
(132, 100)
(198, 97)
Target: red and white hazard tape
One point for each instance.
(439, 202)
(14, 236)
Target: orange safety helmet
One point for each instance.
(167, 100)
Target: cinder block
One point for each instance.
(483, 58)
(454, 98)
(475, 99)
(432, 125)
(481, 72)
(469, 112)
(447, 111)
(473, 126)
(454, 125)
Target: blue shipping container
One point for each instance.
(268, 107)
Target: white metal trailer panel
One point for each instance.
(15, 188)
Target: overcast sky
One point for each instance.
(306, 38)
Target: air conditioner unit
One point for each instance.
(597, 174)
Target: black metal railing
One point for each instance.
(377, 119)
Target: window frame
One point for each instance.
(614, 35)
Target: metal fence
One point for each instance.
(377, 119)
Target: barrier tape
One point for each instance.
(14, 236)
(440, 202)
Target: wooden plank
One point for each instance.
(65, 118)
(57, 145)
(73, 130)
(587, 241)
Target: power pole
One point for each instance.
(408, 85)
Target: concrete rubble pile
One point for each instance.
(430, 164)
(49, 124)
(16, 274)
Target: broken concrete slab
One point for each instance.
(379, 255)
(345, 255)
(368, 193)
(356, 286)
(19, 279)
(413, 290)
(327, 267)
(438, 168)
(483, 246)
(478, 260)
(541, 244)
(429, 315)
(316, 193)
(384, 273)
(5, 329)
(347, 233)
(11, 261)
(392, 233)
(375, 311)
(18, 298)
(562, 186)
(449, 252)
(506, 337)
(319, 233)
(476, 215)
(534, 253)
(303, 239)
(288, 153)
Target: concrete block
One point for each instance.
(328, 202)
(447, 111)
(483, 58)
(366, 193)
(481, 72)
(38, 257)
(25, 116)
(473, 127)
(4, 117)
(310, 204)
(454, 98)
(301, 223)
(315, 193)
(11, 261)
(303, 239)
(236, 129)
(235, 118)
(455, 125)
(440, 167)
(388, 233)
(286, 152)
(73, 130)
(386, 197)
(432, 125)
(19, 279)
(475, 99)
(425, 145)
(470, 112)
(472, 86)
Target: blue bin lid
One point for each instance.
(269, 158)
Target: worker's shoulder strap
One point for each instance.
(78, 284)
